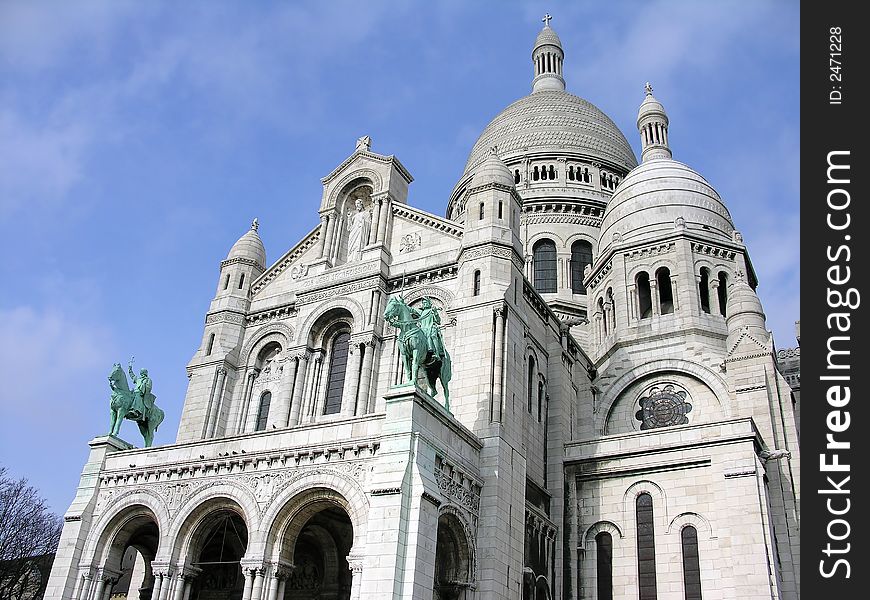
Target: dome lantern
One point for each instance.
(547, 57)
(652, 124)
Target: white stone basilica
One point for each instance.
(619, 425)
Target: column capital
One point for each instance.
(355, 563)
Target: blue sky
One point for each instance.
(138, 140)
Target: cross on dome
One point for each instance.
(547, 18)
(255, 224)
(648, 88)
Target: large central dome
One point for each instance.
(553, 120)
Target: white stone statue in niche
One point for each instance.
(359, 224)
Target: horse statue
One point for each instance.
(127, 404)
(419, 348)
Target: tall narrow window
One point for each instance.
(691, 563)
(337, 369)
(603, 314)
(544, 258)
(500, 209)
(552, 173)
(210, 346)
(263, 412)
(481, 211)
(531, 386)
(666, 291)
(604, 566)
(227, 281)
(535, 174)
(723, 291)
(644, 295)
(581, 255)
(540, 400)
(612, 308)
(476, 285)
(241, 280)
(704, 289)
(646, 547)
(517, 176)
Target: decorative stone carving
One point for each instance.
(663, 406)
(410, 242)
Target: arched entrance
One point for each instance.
(320, 569)
(453, 560)
(219, 545)
(130, 544)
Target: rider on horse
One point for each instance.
(430, 322)
(143, 399)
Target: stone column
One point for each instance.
(495, 408)
(282, 585)
(257, 590)
(321, 243)
(713, 286)
(351, 380)
(85, 589)
(386, 215)
(282, 408)
(365, 381)
(355, 564)
(326, 245)
(376, 221)
(298, 388)
(246, 400)
(165, 588)
(100, 589)
(215, 402)
(608, 316)
(249, 583)
(314, 390)
(675, 292)
(251, 417)
(654, 296)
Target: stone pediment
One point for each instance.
(291, 265)
(747, 346)
(361, 158)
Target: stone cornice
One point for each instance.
(420, 217)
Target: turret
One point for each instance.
(493, 205)
(744, 313)
(547, 56)
(652, 124)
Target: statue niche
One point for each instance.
(356, 229)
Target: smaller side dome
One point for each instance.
(492, 170)
(744, 311)
(250, 247)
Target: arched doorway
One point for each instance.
(220, 543)
(453, 561)
(130, 544)
(320, 568)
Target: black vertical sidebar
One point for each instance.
(835, 268)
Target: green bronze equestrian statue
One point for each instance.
(421, 344)
(136, 404)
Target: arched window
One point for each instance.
(540, 400)
(646, 547)
(241, 280)
(723, 291)
(581, 255)
(691, 563)
(263, 412)
(535, 174)
(337, 368)
(587, 178)
(603, 314)
(517, 176)
(552, 173)
(481, 211)
(227, 281)
(476, 288)
(571, 173)
(531, 386)
(612, 307)
(544, 258)
(604, 566)
(704, 289)
(644, 295)
(666, 292)
(210, 346)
